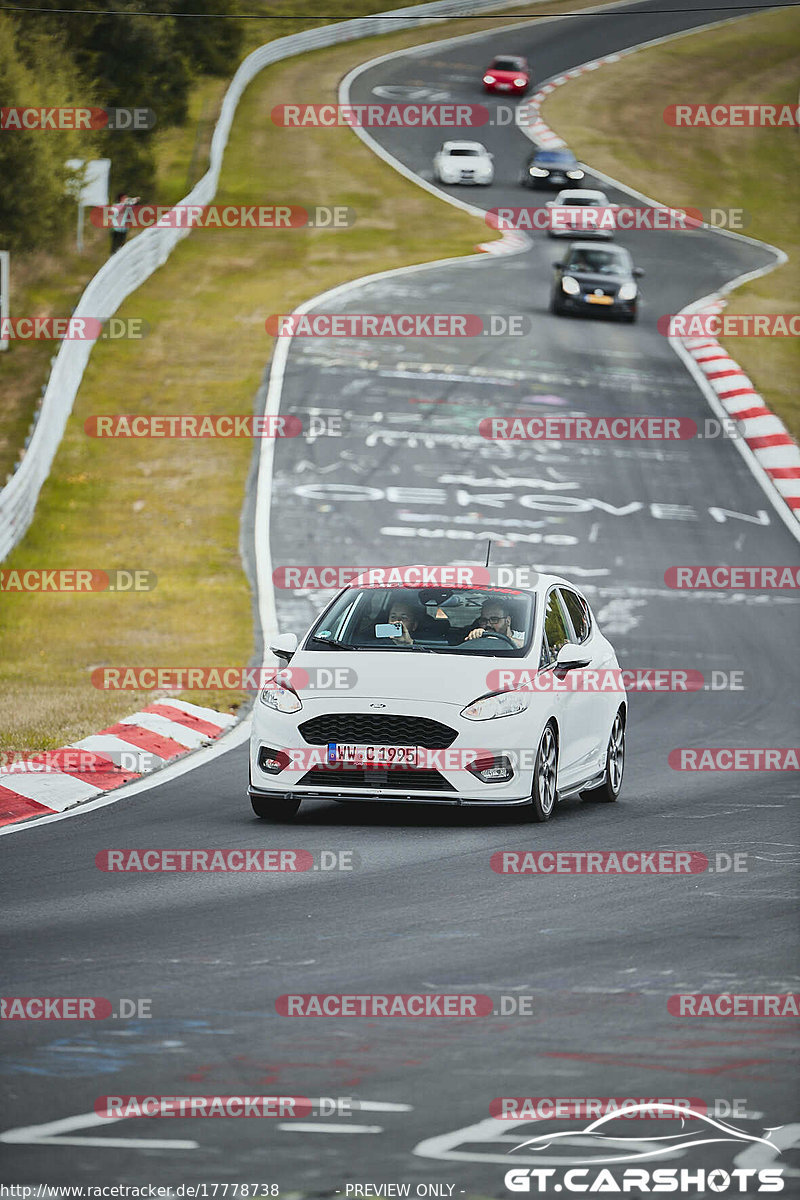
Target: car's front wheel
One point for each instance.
(545, 774)
(278, 809)
(615, 764)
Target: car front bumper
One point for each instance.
(514, 738)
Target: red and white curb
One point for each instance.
(774, 448)
(529, 117)
(136, 745)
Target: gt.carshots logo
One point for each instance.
(640, 1180)
(393, 325)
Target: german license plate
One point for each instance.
(366, 756)
(599, 299)
(503, 87)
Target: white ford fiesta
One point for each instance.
(447, 695)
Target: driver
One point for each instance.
(496, 618)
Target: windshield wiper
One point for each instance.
(332, 641)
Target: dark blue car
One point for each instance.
(552, 168)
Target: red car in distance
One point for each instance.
(507, 73)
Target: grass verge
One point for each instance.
(613, 119)
(173, 507)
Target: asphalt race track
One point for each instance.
(410, 479)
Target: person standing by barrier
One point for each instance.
(121, 218)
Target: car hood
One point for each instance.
(592, 279)
(406, 675)
(505, 76)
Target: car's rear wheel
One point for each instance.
(545, 774)
(278, 809)
(615, 764)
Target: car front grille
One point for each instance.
(373, 729)
(395, 779)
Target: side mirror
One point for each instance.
(571, 656)
(283, 645)
(558, 266)
(638, 272)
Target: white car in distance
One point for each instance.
(582, 213)
(463, 162)
(456, 695)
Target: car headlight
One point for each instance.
(574, 174)
(284, 699)
(539, 172)
(570, 285)
(520, 82)
(628, 291)
(488, 79)
(502, 704)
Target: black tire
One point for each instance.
(629, 318)
(556, 309)
(278, 809)
(545, 777)
(610, 789)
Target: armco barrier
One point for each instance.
(136, 261)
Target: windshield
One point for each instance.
(484, 621)
(601, 262)
(507, 64)
(462, 153)
(554, 158)
(578, 202)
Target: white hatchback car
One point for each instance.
(463, 162)
(581, 212)
(452, 695)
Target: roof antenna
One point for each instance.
(488, 552)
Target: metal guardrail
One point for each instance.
(137, 260)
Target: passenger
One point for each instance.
(405, 612)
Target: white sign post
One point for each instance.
(92, 189)
(5, 258)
